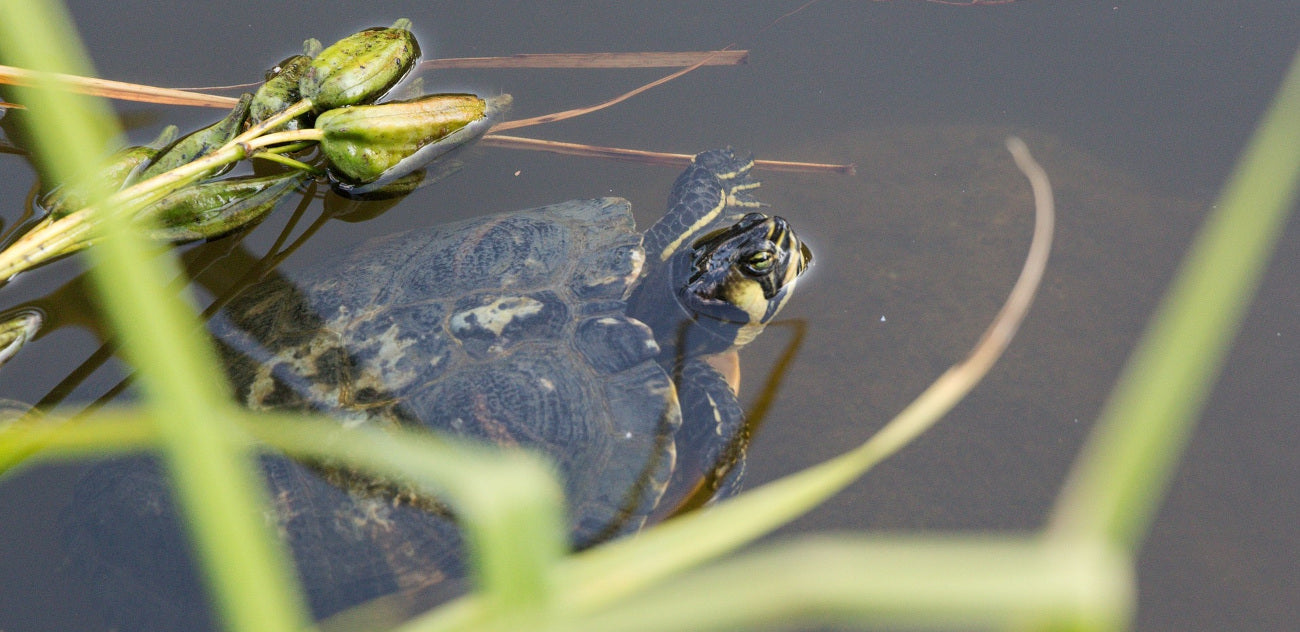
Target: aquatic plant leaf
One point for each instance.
(211, 209)
(200, 143)
(116, 173)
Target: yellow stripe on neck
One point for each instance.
(695, 228)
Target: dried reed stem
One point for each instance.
(649, 157)
(594, 60)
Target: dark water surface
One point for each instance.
(1136, 109)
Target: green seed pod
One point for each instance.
(370, 146)
(200, 143)
(361, 67)
(279, 92)
(115, 173)
(16, 329)
(211, 209)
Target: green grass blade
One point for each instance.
(853, 581)
(508, 503)
(177, 372)
(1115, 488)
(616, 571)
(113, 431)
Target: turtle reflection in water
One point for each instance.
(559, 329)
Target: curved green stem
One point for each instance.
(288, 162)
(294, 111)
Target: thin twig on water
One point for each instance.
(594, 60)
(117, 89)
(649, 157)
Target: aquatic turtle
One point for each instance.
(560, 329)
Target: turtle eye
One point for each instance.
(759, 263)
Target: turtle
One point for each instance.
(559, 329)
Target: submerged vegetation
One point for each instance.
(1076, 574)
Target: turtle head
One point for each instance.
(731, 282)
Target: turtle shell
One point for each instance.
(508, 329)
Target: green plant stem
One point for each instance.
(936, 581)
(177, 369)
(287, 162)
(276, 155)
(77, 230)
(113, 432)
(283, 116)
(135, 197)
(508, 503)
(1115, 487)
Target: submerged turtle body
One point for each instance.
(511, 329)
(558, 329)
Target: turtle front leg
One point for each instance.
(713, 439)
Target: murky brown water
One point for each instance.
(1135, 109)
